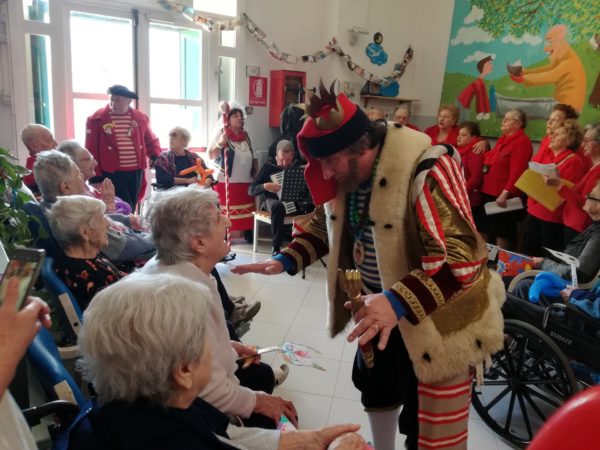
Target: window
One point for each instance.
(176, 93)
(39, 77)
(227, 38)
(101, 52)
(36, 10)
(226, 78)
(101, 56)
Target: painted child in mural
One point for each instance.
(478, 90)
(565, 70)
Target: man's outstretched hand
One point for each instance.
(268, 267)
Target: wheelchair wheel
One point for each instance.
(528, 380)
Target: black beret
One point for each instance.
(122, 91)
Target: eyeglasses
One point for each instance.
(89, 158)
(594, 199)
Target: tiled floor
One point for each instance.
(294, 309)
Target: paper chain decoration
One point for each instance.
(202, 173)
(332, 47)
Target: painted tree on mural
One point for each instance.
(518, 17)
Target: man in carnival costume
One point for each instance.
(431, 307)
(119, 137)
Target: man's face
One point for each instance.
(43, 140)
(592, 204)
(401, 116)
(86, 163)
(343, 167)
(285, 160)
(118, 104)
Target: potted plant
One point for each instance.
(13, 219)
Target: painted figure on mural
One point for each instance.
(478, 90)
(565, 70)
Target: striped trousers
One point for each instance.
(444, 413)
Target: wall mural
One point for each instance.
(528, 54)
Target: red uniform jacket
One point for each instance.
(101, 142)
(506, 162)
(434, 131)
(569, 167)
(573, 214)
(473, 170)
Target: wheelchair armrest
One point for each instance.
(521, 276)
(63, 409)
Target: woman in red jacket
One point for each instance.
(574, 217)
(544, 228)
(469, 134)
(503, 166)
(446, 130)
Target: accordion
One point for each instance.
(293, 187)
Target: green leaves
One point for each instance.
(14, 229)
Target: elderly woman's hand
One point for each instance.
(268, 267)
(275, 407)
(107, 192)
(480, 147)
(553, 181)
(348, 441)
(338, 437)
(501, 199)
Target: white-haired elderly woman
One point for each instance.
(86, 163)
(171, 162)
(79, 225)
(146, 348)
(189, 230)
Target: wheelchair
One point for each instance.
(532, 376)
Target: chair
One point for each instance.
(65, 399)
(63, 297)
(532, 273)
(41, 232)
(265, 217)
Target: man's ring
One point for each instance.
(376, 327)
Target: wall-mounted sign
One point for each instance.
(257, 94)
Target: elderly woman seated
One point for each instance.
(87, 166)
(147, 350)
(189, 231)
(79, 225)
(171, 162)
(585, 247)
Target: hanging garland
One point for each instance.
(332, 46)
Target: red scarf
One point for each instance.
(235, 137)
(465, 149)
(492, 155)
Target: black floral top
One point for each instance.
(85, 277)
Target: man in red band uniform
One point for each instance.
(431, 306)
(120, 139)
(36, 138)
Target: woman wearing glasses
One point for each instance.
(574, 217)
(503, 166)
(171, 162)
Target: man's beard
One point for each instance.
(352, 181)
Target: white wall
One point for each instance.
(305, 27)
(298, 30)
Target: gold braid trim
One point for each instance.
(294, 254)
(308, 247)
(431, 286)
(412, 300)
